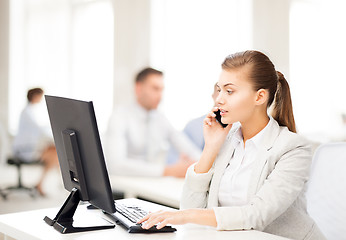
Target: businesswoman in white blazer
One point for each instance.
(253, 176)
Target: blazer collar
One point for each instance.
(270, 135)
(263, 155)
(268, 138)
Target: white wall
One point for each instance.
(271, 31)
(131, 46)
(4, 61)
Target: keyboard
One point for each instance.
(129, 216)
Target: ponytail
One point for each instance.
(282, 110)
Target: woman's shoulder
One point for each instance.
(292, 137)
(287, 141)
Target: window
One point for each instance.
(64, 46)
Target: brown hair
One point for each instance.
(33, 92)
(142, 75)
(263, 75)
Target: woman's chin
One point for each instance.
(228, 121)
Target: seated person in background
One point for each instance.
(34, 140)
(194, 131)
(139, 136)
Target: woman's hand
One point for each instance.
(214, 137)
(178, 217)
(214, 133)
(162, 218)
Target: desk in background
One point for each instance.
(30, 226)
(163, 190)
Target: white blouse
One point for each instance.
(235, 180)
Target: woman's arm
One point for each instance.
(199, 175)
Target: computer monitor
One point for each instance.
(81, 160)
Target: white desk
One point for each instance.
(30, 226)
(163, 190)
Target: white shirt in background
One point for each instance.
(34, 133)
(137, 142)
(234, 183)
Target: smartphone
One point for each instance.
(218, 118)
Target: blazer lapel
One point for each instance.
(263, 156)
(220, 165)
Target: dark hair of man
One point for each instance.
(142, 75)
(34, 92)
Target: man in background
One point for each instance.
(139, 136)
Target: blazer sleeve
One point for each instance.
(279, 191)
(196, 188)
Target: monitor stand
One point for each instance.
(63, 221)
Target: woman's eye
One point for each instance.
(229, 91)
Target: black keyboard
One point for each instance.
(130, 215)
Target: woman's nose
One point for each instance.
(219, 99)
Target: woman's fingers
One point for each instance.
(160, 219)
(153, 220)
(163, 223)
(207, 121)
(144, 219)
(210, 117)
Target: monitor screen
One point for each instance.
(79, 150)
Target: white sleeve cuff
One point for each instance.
(229, 218)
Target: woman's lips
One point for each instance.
(223, 112)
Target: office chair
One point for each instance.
(326, 192)
(18, 163)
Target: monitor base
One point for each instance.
(63, 221)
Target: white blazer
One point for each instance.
(276, 192)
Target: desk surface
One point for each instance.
(30, 226)
(163, 190)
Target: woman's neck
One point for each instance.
(253, 126)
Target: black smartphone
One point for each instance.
(218, 118)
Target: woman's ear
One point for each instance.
(261, 96)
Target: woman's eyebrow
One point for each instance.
(227, 84)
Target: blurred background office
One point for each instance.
(92, 49)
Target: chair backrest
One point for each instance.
(326, 193)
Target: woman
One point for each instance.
(254, 176)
